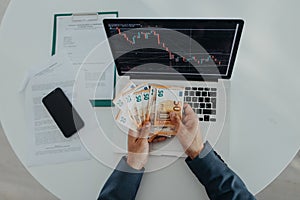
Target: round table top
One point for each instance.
(264, 99)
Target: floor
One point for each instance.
(16, 183)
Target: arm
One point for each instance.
(123, 183)
(220, 182)
(218, 179)
(125, 180)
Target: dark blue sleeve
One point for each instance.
(220, 182)
(123, 183)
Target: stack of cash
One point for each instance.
(149, 103)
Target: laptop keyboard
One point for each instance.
(203, 100)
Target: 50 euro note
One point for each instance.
(123, 117)
(132, 105)
(119, 100)
(128, 98)
(151, 104)
(141, 103)
(137, 104)
(167, 99)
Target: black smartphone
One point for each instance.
(62, 112)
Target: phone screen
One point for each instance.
(63, 113)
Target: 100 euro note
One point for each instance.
(167, 99)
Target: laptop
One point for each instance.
(198, 54)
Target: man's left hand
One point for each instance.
(138, 147)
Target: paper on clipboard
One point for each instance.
(83, 39)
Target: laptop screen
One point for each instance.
(195, 48)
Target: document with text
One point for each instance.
(47, 145)
(83, 39)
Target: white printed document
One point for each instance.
(82, 37)
(47, 145)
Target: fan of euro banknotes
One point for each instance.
(152, 103)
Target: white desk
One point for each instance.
(264, 102)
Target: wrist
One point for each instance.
(135, 164)
(194, 152)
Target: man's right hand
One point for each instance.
(188, 131)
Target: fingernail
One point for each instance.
(147, 124)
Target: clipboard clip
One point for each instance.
(85, 16)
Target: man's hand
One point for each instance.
(138, 147)
(188, 131)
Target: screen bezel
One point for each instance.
(197, 77)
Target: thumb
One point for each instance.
(175, 119)
(145, 130)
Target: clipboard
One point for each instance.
(89, 17)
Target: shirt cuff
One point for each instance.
(124, 167)
(206, 163)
